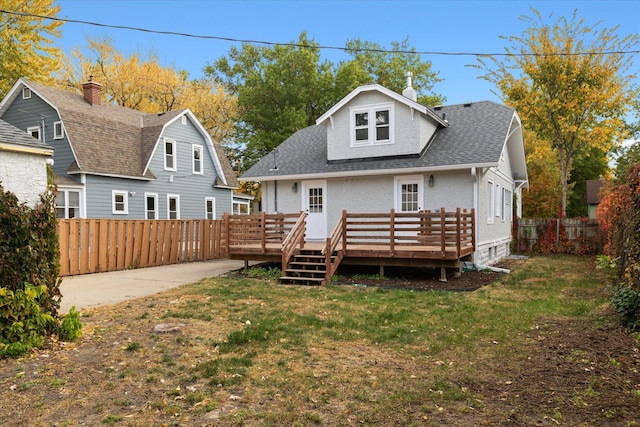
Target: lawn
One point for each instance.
(537, 347)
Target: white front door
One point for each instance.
(314, 202)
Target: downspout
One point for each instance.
(476, 196)
(275, 196)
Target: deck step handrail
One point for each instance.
(259, 230)
(294, 240)
(331, 247)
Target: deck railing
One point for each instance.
(440, 231)
(332, 255)
(257, 232)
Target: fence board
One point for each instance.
(95, 245)
(569, 235)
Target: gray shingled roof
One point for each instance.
(475, 136)
(110, 139)
(10, 134)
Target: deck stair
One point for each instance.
(306, 267)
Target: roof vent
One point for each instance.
(409, 92)
(467, 105)
(92, 91)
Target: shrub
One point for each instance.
(70, 327)
(626, 303)
(29, 275)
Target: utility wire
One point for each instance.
(268, 43)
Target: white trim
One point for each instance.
(367, 172)
(32, 129)
(66, 190)
(125, 202)
(57, 135)
(408, 179)
(111, 175)
(498, 201)
(206, 207)
(154, 196)
(391, 94)
(371, 127)
(174, 154)
(491, 202)
(177, 197)
(199, 149)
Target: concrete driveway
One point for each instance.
(98, 289)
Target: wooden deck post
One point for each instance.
(263, 234)
(344, 229)
(458, 231)
(392, 230)
(443, 226)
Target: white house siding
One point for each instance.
(24, 174)
(36, 109)
(407, 131)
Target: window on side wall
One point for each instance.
(58, 130)
(120, 202)
(240, 208)
(34, 131)
(151, 206)
(173, 206)
(67, 204)
(170, 161)
(507, 213)
(490, 202)
(372, 125)
(210, 208)
(197, 159)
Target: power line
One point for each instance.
(268, 43)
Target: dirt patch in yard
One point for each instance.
(126, 372)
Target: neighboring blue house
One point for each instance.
(115, 162)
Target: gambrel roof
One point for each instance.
(111, 140)
(475, 136)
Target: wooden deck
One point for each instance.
(435, 239)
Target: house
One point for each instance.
(593, 196)
(377, 151)
(23, 164)
(115, 162)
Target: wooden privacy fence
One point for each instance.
(568, 235)
(96, 245)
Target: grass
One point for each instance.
(264, 354)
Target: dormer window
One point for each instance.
(372, 125)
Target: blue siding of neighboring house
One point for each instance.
(26, 113)
(193, 189)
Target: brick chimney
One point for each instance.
(92, 91)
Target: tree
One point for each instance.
(570, 84)
(141, 83)
(27, 47)
(284, 88)
(542, 200)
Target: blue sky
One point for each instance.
(442, 26)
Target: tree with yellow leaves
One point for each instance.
(570, 84)
(143, 84)
(26, 47)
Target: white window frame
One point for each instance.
(507, 212)
(197, 148)
(177, 198)
(371, 110)
(212, 214)
(58, 130)
(491, 205)
(34, 129)
(153, 196)
(498, 201)
(26, 93)
(173, 155)
(125, 202)
(66, 206)
(237, 207)
(408, 179)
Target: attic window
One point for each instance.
(183, 119)
(58, 130)
(34, 131)
(26, 93)
(372, 125)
